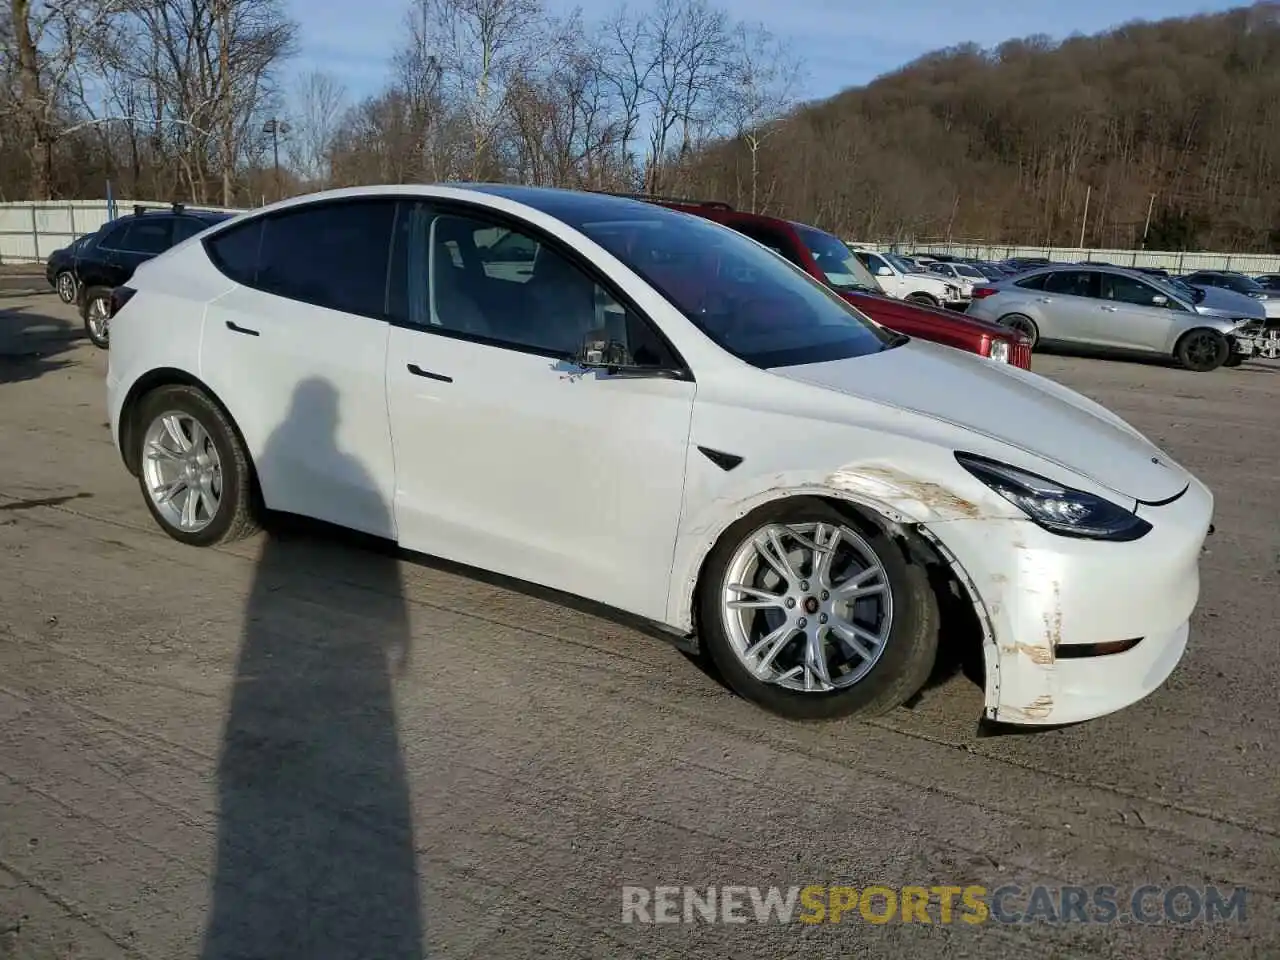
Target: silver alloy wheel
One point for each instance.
(182, 470)
(99, 319)
(66, 287)
(807, 606)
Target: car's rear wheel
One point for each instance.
(65, 284)
(813, 613)
(193, 469)
(1023, 325)
(1202, 350)
(95, 307)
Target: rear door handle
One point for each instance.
(236, 328)
(417, 371)
(1111, 309)
(1044, 299)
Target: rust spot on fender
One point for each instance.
(1037, 709)
(1053, 621)
(893, 486)
(1038, 654)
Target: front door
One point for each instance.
(1130, 318)
(509, 457)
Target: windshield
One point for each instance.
(746, 298)
(842, 269)
(1180, 287)
(1238, 284)
(902, 263)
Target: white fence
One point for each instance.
(1174, 262)
(30, 231)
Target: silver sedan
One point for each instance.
(1122, 311)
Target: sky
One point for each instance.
(843, 43)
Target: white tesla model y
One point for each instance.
(643, 408)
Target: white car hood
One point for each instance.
(1008, 405)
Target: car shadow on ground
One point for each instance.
(315, 848)
(1258, 365)
(33, 342)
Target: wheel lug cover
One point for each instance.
(791, 602)
(825, 595)
(804, 584)
(822, 618)
(802, 623)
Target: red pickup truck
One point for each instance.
(827, 259)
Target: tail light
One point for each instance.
(119, 297)
(981, 292)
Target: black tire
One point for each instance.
(100, 337)
(923, 299)
(66, 286)
(1234, 360)
(1202, 350)
(235, 517)
(909, 652)
(1023, 325)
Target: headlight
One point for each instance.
(1058, 509)
(1000, 351)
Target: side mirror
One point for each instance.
(596, 352)
(883, 272)
(1160, 300)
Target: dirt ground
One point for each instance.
(303, 746)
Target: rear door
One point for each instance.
(301, 344)
(145, 237)
(1068, 306)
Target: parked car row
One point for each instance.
(1122, 311)
(86, 270)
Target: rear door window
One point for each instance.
(1072, 283)
(148, 235)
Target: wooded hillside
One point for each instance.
(1003, 144)
(188, 100)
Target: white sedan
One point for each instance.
(646, 409)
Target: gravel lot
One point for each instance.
(305, 746)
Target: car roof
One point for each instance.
(1076, 267)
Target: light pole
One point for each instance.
(277, 129)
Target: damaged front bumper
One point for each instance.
(1075, 628)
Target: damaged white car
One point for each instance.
(643, 408)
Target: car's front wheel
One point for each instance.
(814, 613)
(1202, 350)
(923, 299)
(192, 466)
(95, 308)
(65, 284)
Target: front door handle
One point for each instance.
(1044, 299)
(417, 371)
(1111, 309)
(236, 328)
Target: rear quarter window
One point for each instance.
(235, 251)
(1032, 283)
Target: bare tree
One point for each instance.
(48, 37)
(688, 44)
(482, 44)
(763, 76)
(318, 105)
